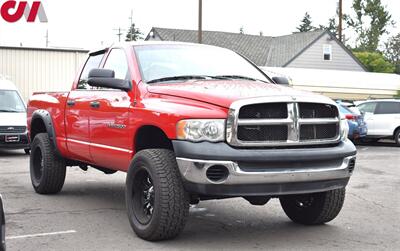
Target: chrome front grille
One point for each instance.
(12, 129)
(275, 123)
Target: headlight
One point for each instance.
(344, 129)
(201, 130)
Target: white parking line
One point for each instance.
(39, 235)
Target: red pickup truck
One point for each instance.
(191, 122)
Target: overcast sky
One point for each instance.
(90, 24)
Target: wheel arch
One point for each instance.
(150, 136)
(43, 123)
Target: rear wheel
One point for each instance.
(315, 208)
(47, 169)
(156, 201)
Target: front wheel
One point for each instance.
(315, 208)
(47, 169)
(156, 201)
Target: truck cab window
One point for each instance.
(93, 62)
(117, 62)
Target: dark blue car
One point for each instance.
(357, 126)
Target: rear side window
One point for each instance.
(93, 62)
(388, 108)
(367, 107)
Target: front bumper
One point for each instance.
(23, 142)
(255, 172)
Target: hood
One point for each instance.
(12, 119)
(223, 93)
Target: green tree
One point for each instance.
(133, 34)
(306, 24)
(332, 26)
(375, 62)
(392, 51)
(370, 21)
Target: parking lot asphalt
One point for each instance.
(89, 214)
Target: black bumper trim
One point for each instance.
(222, 151)
(265, 189)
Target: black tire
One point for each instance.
(156, 201)
(46, 167)
(397, 137)
(315, 208)
(2, 226)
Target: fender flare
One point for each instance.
(45, 117)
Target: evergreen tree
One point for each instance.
(133, 34)
(306, 24)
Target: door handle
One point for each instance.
(70, 102)
(95, 104)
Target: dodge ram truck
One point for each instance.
(190, 122)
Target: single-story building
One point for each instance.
(315, 49)
(40, 69)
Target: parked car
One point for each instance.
(2, 226)
(357, 126)
(383, 118)
(191, 122)
(13, 129)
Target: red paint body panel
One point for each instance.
(91, 135)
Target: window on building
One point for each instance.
(327, 52)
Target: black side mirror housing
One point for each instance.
(281, 80)
(106, 78)
(2, 226)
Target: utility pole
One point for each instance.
(130, 28)
(119, 34)
(200, 32)
(340, 27)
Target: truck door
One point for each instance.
(77, 113)
(111, 140)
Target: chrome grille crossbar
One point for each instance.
(293, 122)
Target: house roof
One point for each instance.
(262, 50)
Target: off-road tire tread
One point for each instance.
(174, 199)
(54, 166)
(331, 202)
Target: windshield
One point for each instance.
(160, 63)
(10, 101)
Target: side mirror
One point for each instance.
(106, 78)
(281, 80)
(2, 226)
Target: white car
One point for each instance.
(13, 129)
(383, 118)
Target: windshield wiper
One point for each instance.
(183, 77)
(239, 77)
(8, 111)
